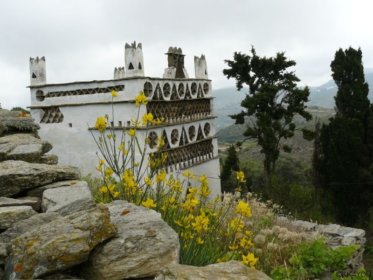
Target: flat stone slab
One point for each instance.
(68, 199)
(34, 202)
(144, 245)
(48, 159)
(59, 244)
(23, 146)
(11, 214)
(232, 270)
(39, 190)
(19, 176)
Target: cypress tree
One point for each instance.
(345, 159)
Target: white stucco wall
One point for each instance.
(72, 141)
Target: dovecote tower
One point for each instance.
(200, 67)
(64, 110)
(38, 75)
(119, 73)
(175, 60)
(134, 60)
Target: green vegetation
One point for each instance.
(273, 99)
(312, 260)
(344, 163)
(231, 164)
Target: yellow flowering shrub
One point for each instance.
(101, 124)
(210, 230)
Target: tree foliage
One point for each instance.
(345, 157)
(231, 164)
(273, 100)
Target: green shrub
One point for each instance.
(312, 260)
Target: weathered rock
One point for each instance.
(34, 202)
(3, 254)
(15, 121)
(22, 146)
(232, 270)
(12, 214)
(58, 245)
(145, 244)
(29, 224)
(39, 190)
(48, 159)
(18, 176)
(61, 276)
(66, 200)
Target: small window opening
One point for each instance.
(140, 67)
(120, 123)
(130, 67)
(111, 124)
(70, 125)
(128, 123)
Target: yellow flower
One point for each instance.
(148, 181)
(236, 224)
(141, 99)
(240, 176)
(249, 260)
(101, 124)
(147, 118)
(160, 142)
(190, 204)
(132, 132)
(149, 203)
(108, 172)
(243, 209)
(233, 247)
(161, 176)
(112, 188)
(199, 241)
(114, 93)
(116, 194)
(201, 223)
(188, 174)
(100, 164)
(246, 243)
(103, 189)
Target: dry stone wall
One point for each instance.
(50, 227)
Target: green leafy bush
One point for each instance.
(312, 260)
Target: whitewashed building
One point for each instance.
(67, 112)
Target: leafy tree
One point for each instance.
(345, 156)
(231, 164)
(273, 100)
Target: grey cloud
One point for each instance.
(83, 40)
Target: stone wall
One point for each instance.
(336, 236)
(51, 228)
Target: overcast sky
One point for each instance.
(84, 39)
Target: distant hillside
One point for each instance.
(227, 100)
(323, 96)
(233, 133)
